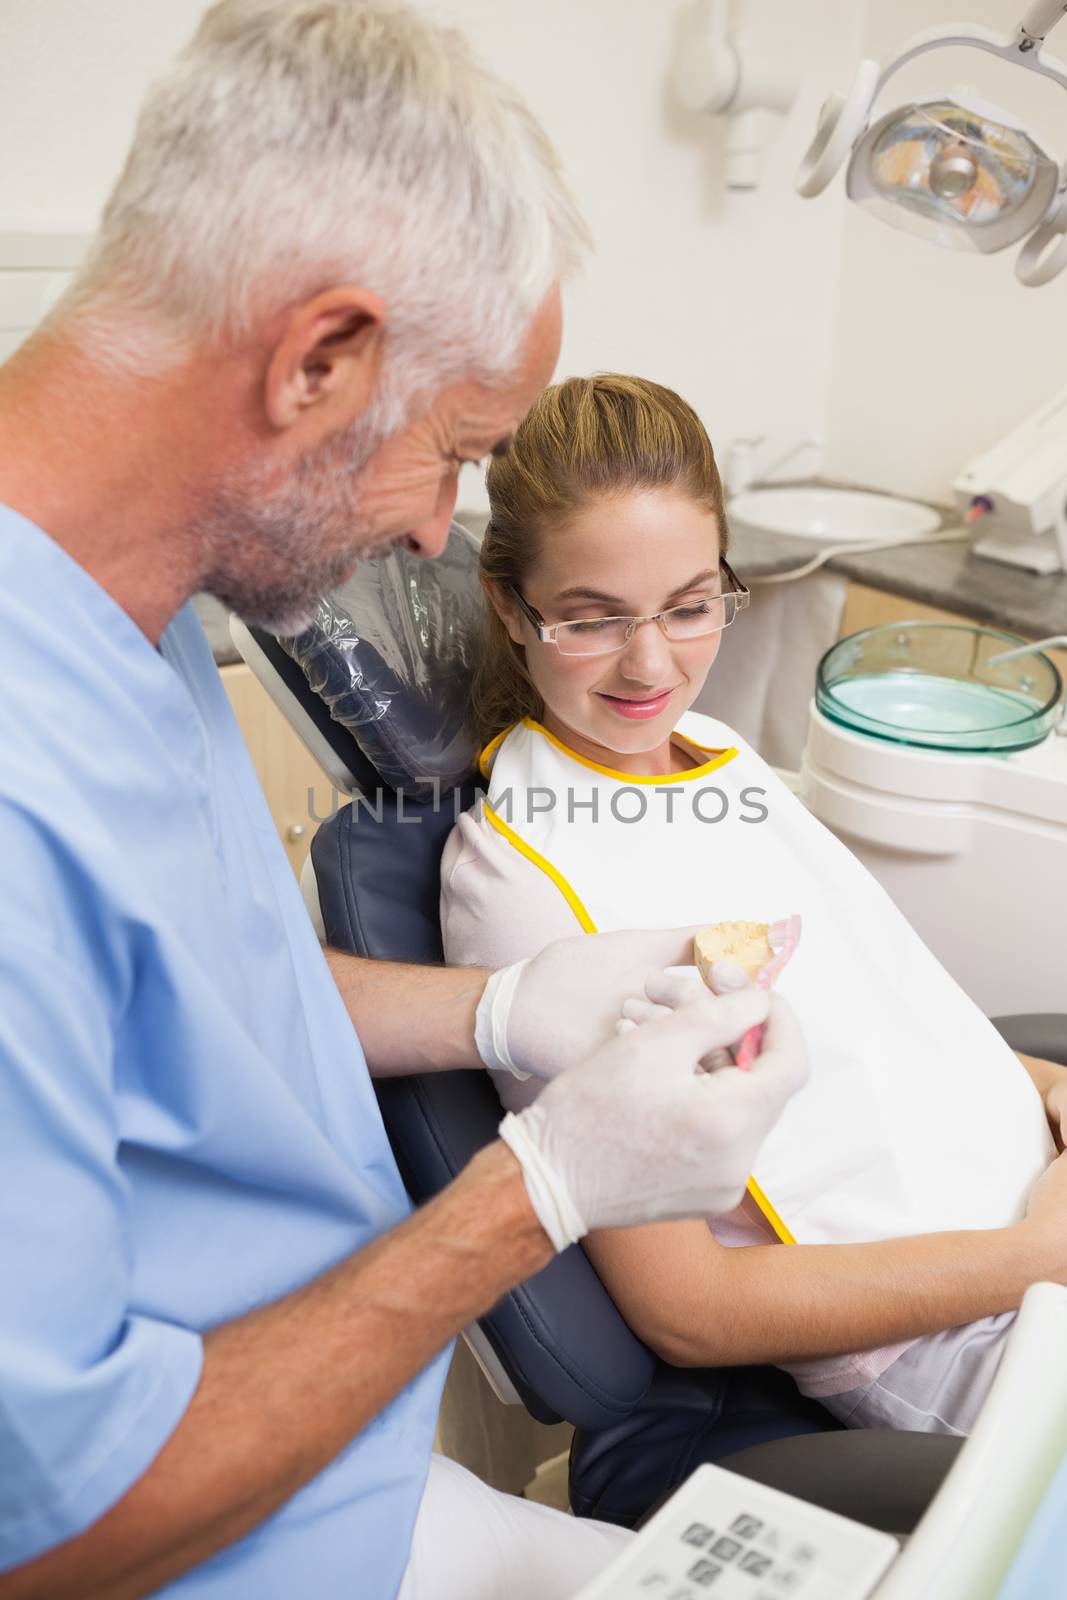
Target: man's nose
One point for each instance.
(646, 658)
(431, 536)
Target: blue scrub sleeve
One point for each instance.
(89, 1390)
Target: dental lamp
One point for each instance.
(956, 170)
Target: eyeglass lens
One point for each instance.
(597, 635)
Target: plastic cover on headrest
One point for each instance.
(391, 655)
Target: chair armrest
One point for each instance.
(1039, 1033)
(880, 1476)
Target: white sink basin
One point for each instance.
(830, 516)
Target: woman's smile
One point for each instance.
(636, 707)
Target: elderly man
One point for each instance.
(328, 276)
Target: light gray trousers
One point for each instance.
(474, 1543)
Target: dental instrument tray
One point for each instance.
(932, 684)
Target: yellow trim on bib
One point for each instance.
(722, 757)
(769, 1212)
(585, 920)
(587, 925)
(490, 751)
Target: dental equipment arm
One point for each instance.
(634, 1132)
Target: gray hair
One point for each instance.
(300, 144)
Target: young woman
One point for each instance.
(910, 1194)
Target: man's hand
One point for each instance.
(539, 1017)
(642, 1133)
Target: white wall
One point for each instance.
(937, 352)
(72, 74)
(727, 297)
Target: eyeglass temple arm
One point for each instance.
(738, 587)
(527, 609)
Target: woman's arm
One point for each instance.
(697, 1303)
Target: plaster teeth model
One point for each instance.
(743, 942)
(761, 949)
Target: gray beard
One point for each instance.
(272, 549)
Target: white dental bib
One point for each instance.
(917, 1116)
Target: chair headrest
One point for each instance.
(391, 654)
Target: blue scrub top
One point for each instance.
(187, 1127)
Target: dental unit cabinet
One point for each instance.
(945, 772)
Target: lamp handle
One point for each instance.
(1044, 254)
(841, 119)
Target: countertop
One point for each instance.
(945, 575)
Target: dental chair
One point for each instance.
(377, 688)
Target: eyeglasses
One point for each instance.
(600, 636)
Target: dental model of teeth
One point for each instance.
(760, 949)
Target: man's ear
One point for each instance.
(327, 354)
(505, 608)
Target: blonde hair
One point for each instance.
(584, 439)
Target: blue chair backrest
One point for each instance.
(559, 1336)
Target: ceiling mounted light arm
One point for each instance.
(741, 78)
(956, 170)
(1038, 23)
(1021, 48)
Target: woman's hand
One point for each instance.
(1050, 1081)
(1056, 1108)
(1046, 1220)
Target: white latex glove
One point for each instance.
(540, 1016)
(665, 991)
(641, 1132)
